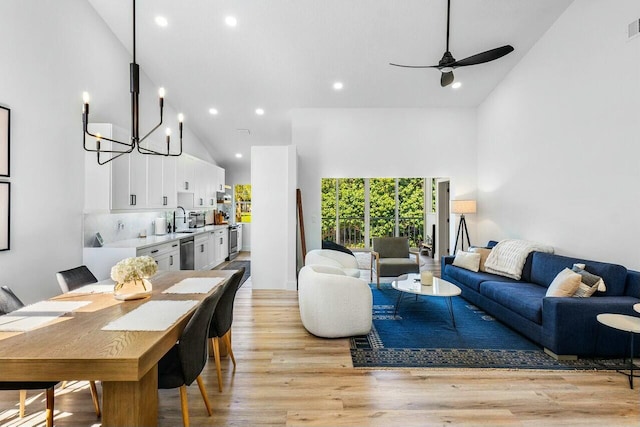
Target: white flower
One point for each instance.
(136, 268)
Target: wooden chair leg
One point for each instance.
(94, 397)
(185, 405)
(23, 398)
(63, 385)
(49, 407)
(378, 277)
(227, 341)
(203, 392)
(216, 355)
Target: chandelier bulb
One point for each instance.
(85, 97)
(180, 118)
(168, 131)
(161, 92)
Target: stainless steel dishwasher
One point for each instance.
(186, 253)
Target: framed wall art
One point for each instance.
(5, 208)
(5, 133)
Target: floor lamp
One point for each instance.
(462, 207)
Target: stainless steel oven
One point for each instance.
(233, 241)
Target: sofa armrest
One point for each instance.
(447, 259)
(569, 325)
(417, 255)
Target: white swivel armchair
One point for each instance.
(332, 304)
(342, 260)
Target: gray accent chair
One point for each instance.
(391, 257)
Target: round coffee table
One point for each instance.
(440, 288)
(622, 322)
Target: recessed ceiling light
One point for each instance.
(213, 111)
(456, 85)
(239, 155)
(231, 21)
(162, 21)
(259, 111)
(338, 86)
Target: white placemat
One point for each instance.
(12, 323)
(194, 285)
(151, 316)
(93, 289)
(53, 307)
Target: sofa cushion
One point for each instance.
(471, 279)
(632, 287)
(522, 298)
(545, 267)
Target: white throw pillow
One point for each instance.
(467, 260)
(565, 284)
(484, 254)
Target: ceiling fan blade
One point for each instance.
(480, 58)
(446, 79)
(413, 66)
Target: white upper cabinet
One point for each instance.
(136, 181)
(220, 181)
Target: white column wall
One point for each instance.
(51, 52)
(273, 217)
(559, 139)
(369, 143)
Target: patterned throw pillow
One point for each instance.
(589, 280)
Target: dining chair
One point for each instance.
(10, 302)
(68, 280)
(74, 278)
(220, 327)
(390, 255)
(184, 362)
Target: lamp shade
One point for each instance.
(463, 206)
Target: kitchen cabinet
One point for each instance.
(201, 259)
(185, 173)
(212, 257)
(221, 245)
(220, 179)
(166, 255)
(132, 181)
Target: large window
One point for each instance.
(354, 210)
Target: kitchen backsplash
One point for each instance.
(122, 226)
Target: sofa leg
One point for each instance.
(560, 356)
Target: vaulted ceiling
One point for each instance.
(286, 54)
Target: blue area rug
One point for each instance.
(422, 334)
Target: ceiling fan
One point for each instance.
(448, 63)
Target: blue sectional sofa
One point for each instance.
(565, 327)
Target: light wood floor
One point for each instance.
(286, 377)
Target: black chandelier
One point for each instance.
(135, 141)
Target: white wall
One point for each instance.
(368, 143)
(273, 217)
(559, 139)
(52, 52)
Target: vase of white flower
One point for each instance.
(131, 276)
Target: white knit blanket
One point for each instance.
(507, 258)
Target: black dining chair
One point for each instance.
(68, 280)
(10, 302)
(220, 327)
(184, 362)
(74, 278)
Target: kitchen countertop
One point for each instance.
(144, 242)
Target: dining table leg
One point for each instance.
(131, 403)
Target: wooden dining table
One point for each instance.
(74, 347)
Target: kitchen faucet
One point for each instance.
(184, 217)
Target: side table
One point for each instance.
(622, 322)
